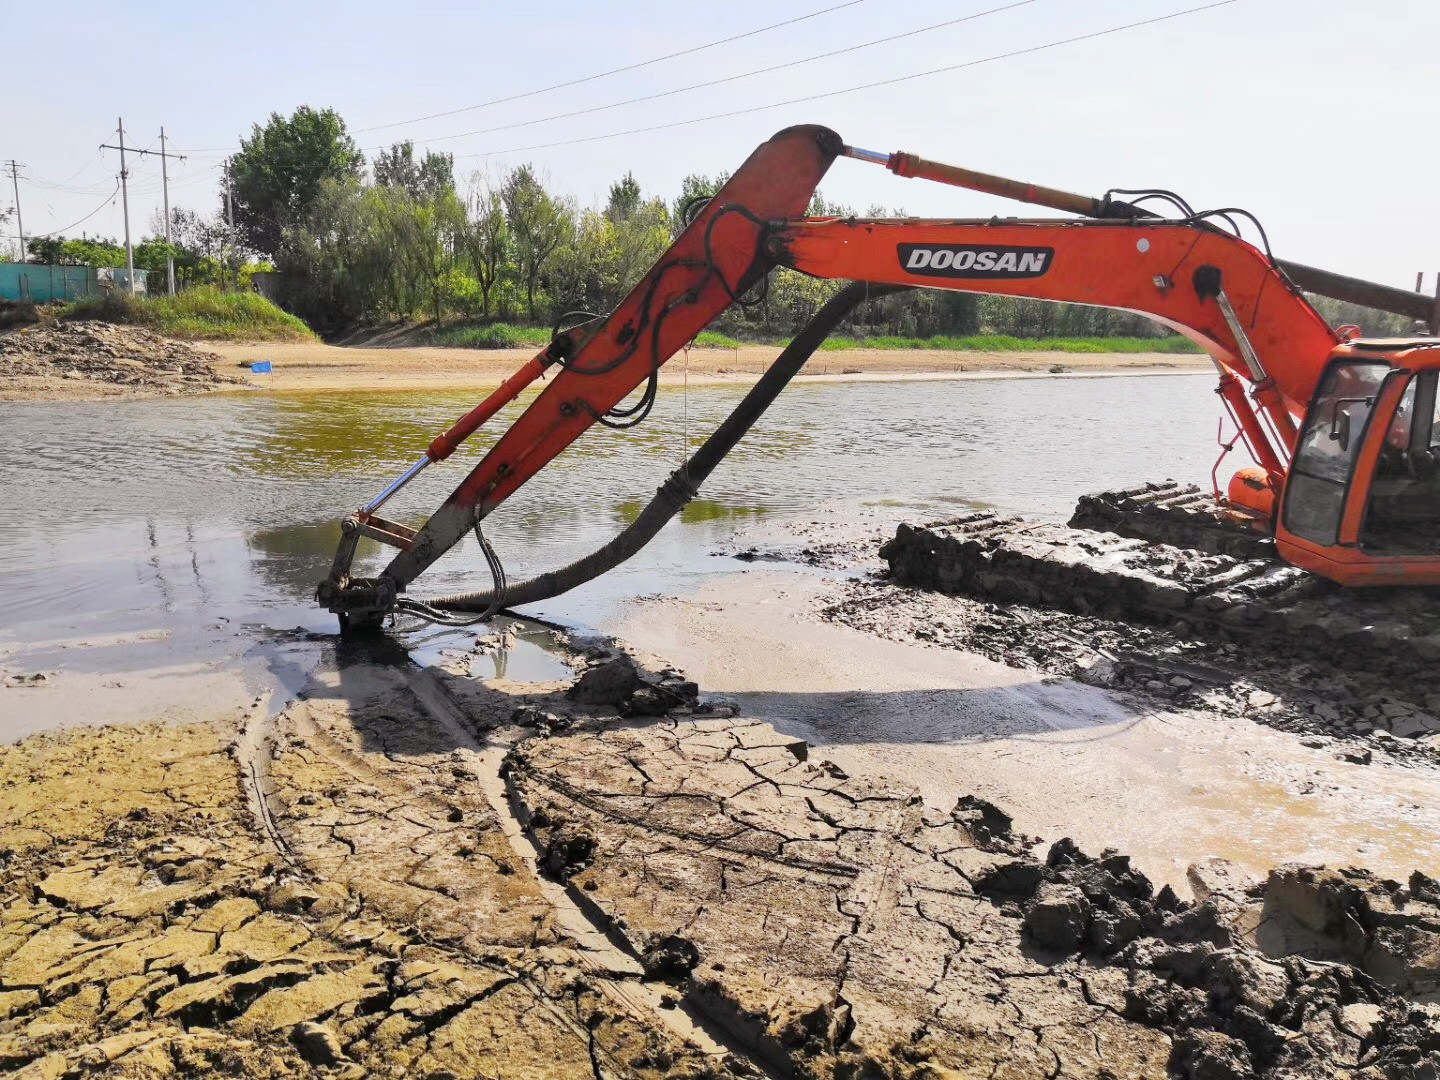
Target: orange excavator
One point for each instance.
(1342, 429)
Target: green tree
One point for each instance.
(396, 167)
(624, 199)
(693, 189)
(486, 239)
(539, 223)
(57, 251)
(437, 176)
(1372, 323)
(441, 223)
(428, 179)
(280, 168)
(44, 250)
(332, 260)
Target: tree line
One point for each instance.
(401, 237)
(398, 237)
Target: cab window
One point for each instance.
(1329, 443)
(1402, 516)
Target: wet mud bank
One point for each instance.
(1237, 637)
(411, 872)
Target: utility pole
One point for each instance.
(15, 167)
(230, 227)
(125, 202)
(165, 188)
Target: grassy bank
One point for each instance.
(199, 314)
(507, 336)
(494, 336)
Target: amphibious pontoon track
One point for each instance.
(1259, 601)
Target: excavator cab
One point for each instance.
(1361, 503)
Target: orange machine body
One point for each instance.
(1340, 429)
(1359, 550)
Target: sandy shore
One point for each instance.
(98, 362)
(312, 366)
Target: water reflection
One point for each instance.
(695, 511)
(228, 505)
(287, 556)
(505, 648)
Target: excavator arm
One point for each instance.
(1207, 284)
(716, 259)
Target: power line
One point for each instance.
(863, 86)
(735, 78)
(616, 71)
(588, 78)
(108, 200)
(43, 185)
(302, 167)
(98, 156)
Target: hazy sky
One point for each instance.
(1320, 117)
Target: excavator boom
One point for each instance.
(1170, 272)
(1234, 301)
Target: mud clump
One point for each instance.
(1059, 919)
(671, 958)
(1388, 930)
(990, 827)
(97, 359)
(839, 928)
(615, 676)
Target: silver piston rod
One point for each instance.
(395, 485)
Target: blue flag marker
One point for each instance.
(260, 367)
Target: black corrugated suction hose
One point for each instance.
(685, 481)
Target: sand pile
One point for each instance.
(96, 359)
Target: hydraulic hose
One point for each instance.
(684, 482)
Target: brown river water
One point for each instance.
(140, 514)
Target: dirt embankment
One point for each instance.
(416, 874)
(326, 367)
(82, 361)
(78, 361)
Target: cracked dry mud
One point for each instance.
(348, 890)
